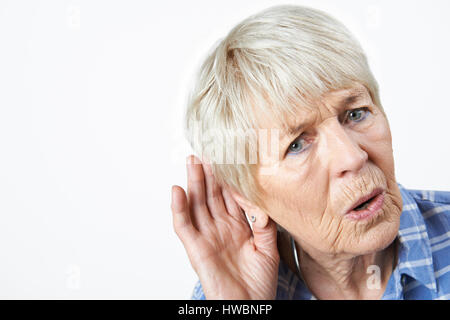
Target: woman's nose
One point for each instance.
(343, 151)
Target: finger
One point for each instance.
(182, 222)
(232, 206)
(265, 237)
(196, 191)
(214, 198)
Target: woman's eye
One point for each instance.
(357, 115)
(296, 146)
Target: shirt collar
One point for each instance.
(414, 252)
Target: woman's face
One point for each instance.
(322, 170)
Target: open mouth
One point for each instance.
(367, 207)
(366, 201)
(364, 205)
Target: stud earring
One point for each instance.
(252, 218)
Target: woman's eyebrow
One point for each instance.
(293, 131)
(353, 97)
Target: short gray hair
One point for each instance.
(271, 63)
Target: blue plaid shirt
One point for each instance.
(423, 268)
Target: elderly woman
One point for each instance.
(319, 214)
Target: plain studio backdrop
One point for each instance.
(92, 95)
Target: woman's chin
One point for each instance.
(375, 239)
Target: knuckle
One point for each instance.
(214, 193)
(173, 208)
(195, 174)
(213, 203)
(178, 230)
(179, 221)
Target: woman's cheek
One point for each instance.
(380, 131)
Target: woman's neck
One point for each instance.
(347, 277)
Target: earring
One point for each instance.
(252, 218)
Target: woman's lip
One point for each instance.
(365, 198)
(374, 207)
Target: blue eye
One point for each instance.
(358, 115)
(296, 146)
(355, 115)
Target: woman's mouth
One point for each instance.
(367, 206)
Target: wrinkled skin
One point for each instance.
(310, 191)
(231, 260)
(308, 194)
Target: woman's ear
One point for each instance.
(257, 216)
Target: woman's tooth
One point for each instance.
(363, 207)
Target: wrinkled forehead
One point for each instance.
(286, 118)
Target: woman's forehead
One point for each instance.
(288, 121)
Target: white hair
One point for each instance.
(272, 63)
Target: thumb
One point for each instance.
(265, 236)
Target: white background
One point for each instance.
(92, 95)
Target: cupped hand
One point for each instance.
(232, 260)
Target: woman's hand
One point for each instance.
(231, 260)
